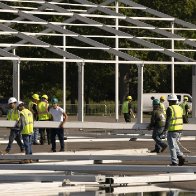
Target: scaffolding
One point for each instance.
(116, 26)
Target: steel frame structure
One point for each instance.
(85, 12)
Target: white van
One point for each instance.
(147, 100)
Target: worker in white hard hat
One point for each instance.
(26, 128)
(13, 114)
(174, 127)
(127, 109)
(33, 108)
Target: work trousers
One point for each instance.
(127, 117)
(172, 139)
(156, 136)
(35, 135)
(27, 143)
(60, 133)
(15, 135)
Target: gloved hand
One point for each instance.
(164, 134)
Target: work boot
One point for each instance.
(7, 151)
(164, 148)
(181, 160)
(152, 151)
(22, 150)
(173, 164)
(25, 161)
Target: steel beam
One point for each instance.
(100, 168)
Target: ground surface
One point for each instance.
(108, 145)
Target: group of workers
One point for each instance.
(38, 110)
(165, 123)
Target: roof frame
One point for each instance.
(134, 39)
(64, 31)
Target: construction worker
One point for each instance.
(13, 114)
(127, 109)
(33, 108)
(43, 115)
(157, 124)
(162, 99)
(58, 115)
(186, 109)
(26, 127)
(174, 127)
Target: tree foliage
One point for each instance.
(47, 77)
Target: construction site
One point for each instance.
(103, 154)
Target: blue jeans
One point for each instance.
(60, 133)
(172, 138)
(15, 135)
(27, 143)
(156, 136)
(35, 135)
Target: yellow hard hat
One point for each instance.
(186, 98)
(35, 96)
(129, 97)
(162, 97)
(45, 96)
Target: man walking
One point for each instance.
(174, 127)
(157, 124)
(59, 115)
(33, 108)
(43, 115)
(13, 114)
(127, 109)
(186, 109)
(26, 128)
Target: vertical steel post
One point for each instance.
(193, 91)
(172, 59)
(81, 92)
(64, 73)
(140, 94)
(117, 68)
(16, 78)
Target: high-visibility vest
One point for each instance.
(30, 106)
(162, 106)
(42, 109)
(183, 105)
(176, 123)
(125, 107)
(13, 114)
(28, 122)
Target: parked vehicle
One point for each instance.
(3, 106)
(148, 97)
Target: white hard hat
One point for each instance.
(172, 97)
(20, 102)
(12, 100)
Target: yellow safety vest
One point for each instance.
(31, 103)
(28, 120)
(13, 114)
(183, 105)
(42, 109)
(162, 106)
(125, 107)
(176, 123)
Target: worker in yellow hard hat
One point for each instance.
(33, 108)
(43, 115)
(127, 109)
(162, 106)
(186, 109)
